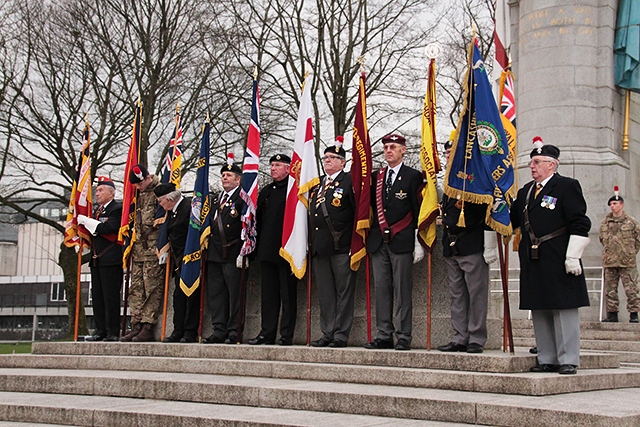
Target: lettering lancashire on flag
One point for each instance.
(127, 233)
(361, 178)
(170, 172)
(80, 201)
(303, 175)
(480, 170)
(199, 229)
(249, 190)
(430, 163)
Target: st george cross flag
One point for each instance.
(480, 169)
(303, 176)
(127, 233)
(249, 191)
(80, 199)
(199, 230)
(430, 163)
(170, 172)
(361, 178)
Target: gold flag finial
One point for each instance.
(255, 73)
(361, 60)
(178, 108)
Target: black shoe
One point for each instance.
(188, 339)
(474, 348)
(213, 340)
(379, 344)
(231, 340)
(284, 341)
(545, 367)
(633, 317)
(403, 344)
(95, 337)
(174, 337)
(612, 317)
(337, 344)
(533, 350)
(568, 370)
(453, 347)
(259, 340)
(111, 338)
(322, 342)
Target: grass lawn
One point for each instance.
(9, 348)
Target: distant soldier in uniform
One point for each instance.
(278, 284)
(147, 275)
(393, 244)
(106, 261)
(331, 211)
(620, 236)
(551, 213)
(186, 309)
(224, 261)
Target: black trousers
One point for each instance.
(223, 286)
(186, 312)
(106, 283)
(278, 289)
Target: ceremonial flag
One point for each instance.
(480, 169)
(303, 175)
(127, 232)
(361, 178)
(170, 172)
(249, 190)
(626, 46)
(508, 113)
(80, 199)
(199, 230)
(430, 163)
(502, 35)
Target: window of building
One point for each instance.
(58, 293)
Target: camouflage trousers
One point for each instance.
(145, 291)
(629, 278)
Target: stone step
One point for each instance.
(33, 408)
(489, 361)
(597, 377)
(518, 324)
(590, 334)
(144, 399)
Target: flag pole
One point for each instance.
(167, 277)
(505, 293)
(127, 279)
(78, 289)
(242, 306)
(308, 299)
(368, 281)
(203, 271)
(429, 300)
(625, 131)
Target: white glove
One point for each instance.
(89, 223)
(239, 262)
(162, 259)
(418, 250)
(490, 253)
(574, 253)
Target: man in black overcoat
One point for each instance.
(106, 261)
(331, 215)
(393, 244)
(551, 213)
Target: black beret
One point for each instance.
(164, 189)
(231, 168)
(137, 174)
(336, 150)
(541, 149)
(283, 158)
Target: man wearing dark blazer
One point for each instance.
(223, 258)
(186, 309)
(551, 213)
(106, 261)
(393, 244)
(331, 213)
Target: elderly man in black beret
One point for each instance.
(278, 284)
(551, 213)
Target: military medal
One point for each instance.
(233, 212)
(549, 202)
(401, 195)
(336, 202)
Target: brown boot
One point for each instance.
(146, 334)
(135, 330)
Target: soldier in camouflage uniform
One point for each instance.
(147, 275)
(620, 236)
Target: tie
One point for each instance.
(538, 188)
(98, 212)
(322, 191)
(224, 200)
(387, 187)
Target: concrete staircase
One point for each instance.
(113, 384)
(621, 339)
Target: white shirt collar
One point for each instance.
(547, 179)
(175, 207)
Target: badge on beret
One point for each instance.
(401, 195)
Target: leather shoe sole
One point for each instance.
(338, 344)
(379, 344)
(111, 338)
(213, 340)
(320, 343)
(188, 339)
(403, 345)
(95, 338)
(567, 370)
(475, 348)
(452, 347)
(259, 340)
(545, 367)
(231, 340)
(284, 341)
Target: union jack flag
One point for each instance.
(249, 191)
(508, 99)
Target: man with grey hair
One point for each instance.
(186, 309)
(551, 213)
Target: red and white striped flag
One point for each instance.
(303, 176)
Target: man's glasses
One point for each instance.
(331, 157)
(536, 162)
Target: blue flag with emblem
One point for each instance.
(480, 169)
(199, 230)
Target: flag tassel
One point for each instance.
(461, 221)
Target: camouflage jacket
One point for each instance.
(621, 240)
(144, 248)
